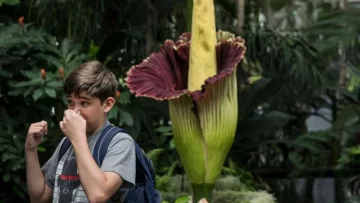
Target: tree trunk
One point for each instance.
(240, 15)
(342, 80)
(150, 28)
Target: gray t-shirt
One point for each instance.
(64, 179)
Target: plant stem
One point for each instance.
(189, 8)
(200, 191)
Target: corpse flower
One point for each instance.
(197, 75)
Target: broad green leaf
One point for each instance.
(37, 94)
(182, 199)
(9, 2)
(29, 91)
(126, 117)
(36, 81)
(125, 98)
(55, 84)
(50, 92)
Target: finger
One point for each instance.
(34, 130)
(64, 120)
(66, 112)
(43, 131)
(37, 135)
(37, 125)
(71, 112)
(46, 129)
(41, 123)
(80, 114)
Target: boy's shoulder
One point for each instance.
(120, 135)
(123, 136)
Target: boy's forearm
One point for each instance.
(92, 178)
(34, 177)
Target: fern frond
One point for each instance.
(154, 155)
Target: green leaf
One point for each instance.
(182, 199)
(11, 149)
(125, 98)
(50, 92)
(167, 134)
(36, 81)
(9, 2)
(164, 129)
(113, 112)
(6, 177)
(16, 92)
(29, 91)
(41, 149)
(154, 154)
(126, 117)
(37, 94)
(172, 144)
(55, 84)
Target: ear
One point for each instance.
(108, 104)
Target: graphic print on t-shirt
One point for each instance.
(68, 181)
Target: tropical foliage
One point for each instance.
(302, 56)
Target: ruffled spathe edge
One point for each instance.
(164, 74)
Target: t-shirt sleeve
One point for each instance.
(121, 159)
(49, 168)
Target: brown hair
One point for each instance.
(92, 78)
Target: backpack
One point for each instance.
(144, 190)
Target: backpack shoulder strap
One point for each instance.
(103, 141)
(64, 147)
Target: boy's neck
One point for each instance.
(98, 128)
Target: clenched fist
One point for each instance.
(73, 126)
(35, 135)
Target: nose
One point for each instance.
(76, 108)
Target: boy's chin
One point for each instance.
(89, 131)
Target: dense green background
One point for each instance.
(307, 52)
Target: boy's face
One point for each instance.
(91, 110)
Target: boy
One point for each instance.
(90, 91)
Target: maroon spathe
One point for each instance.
(164, 75)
